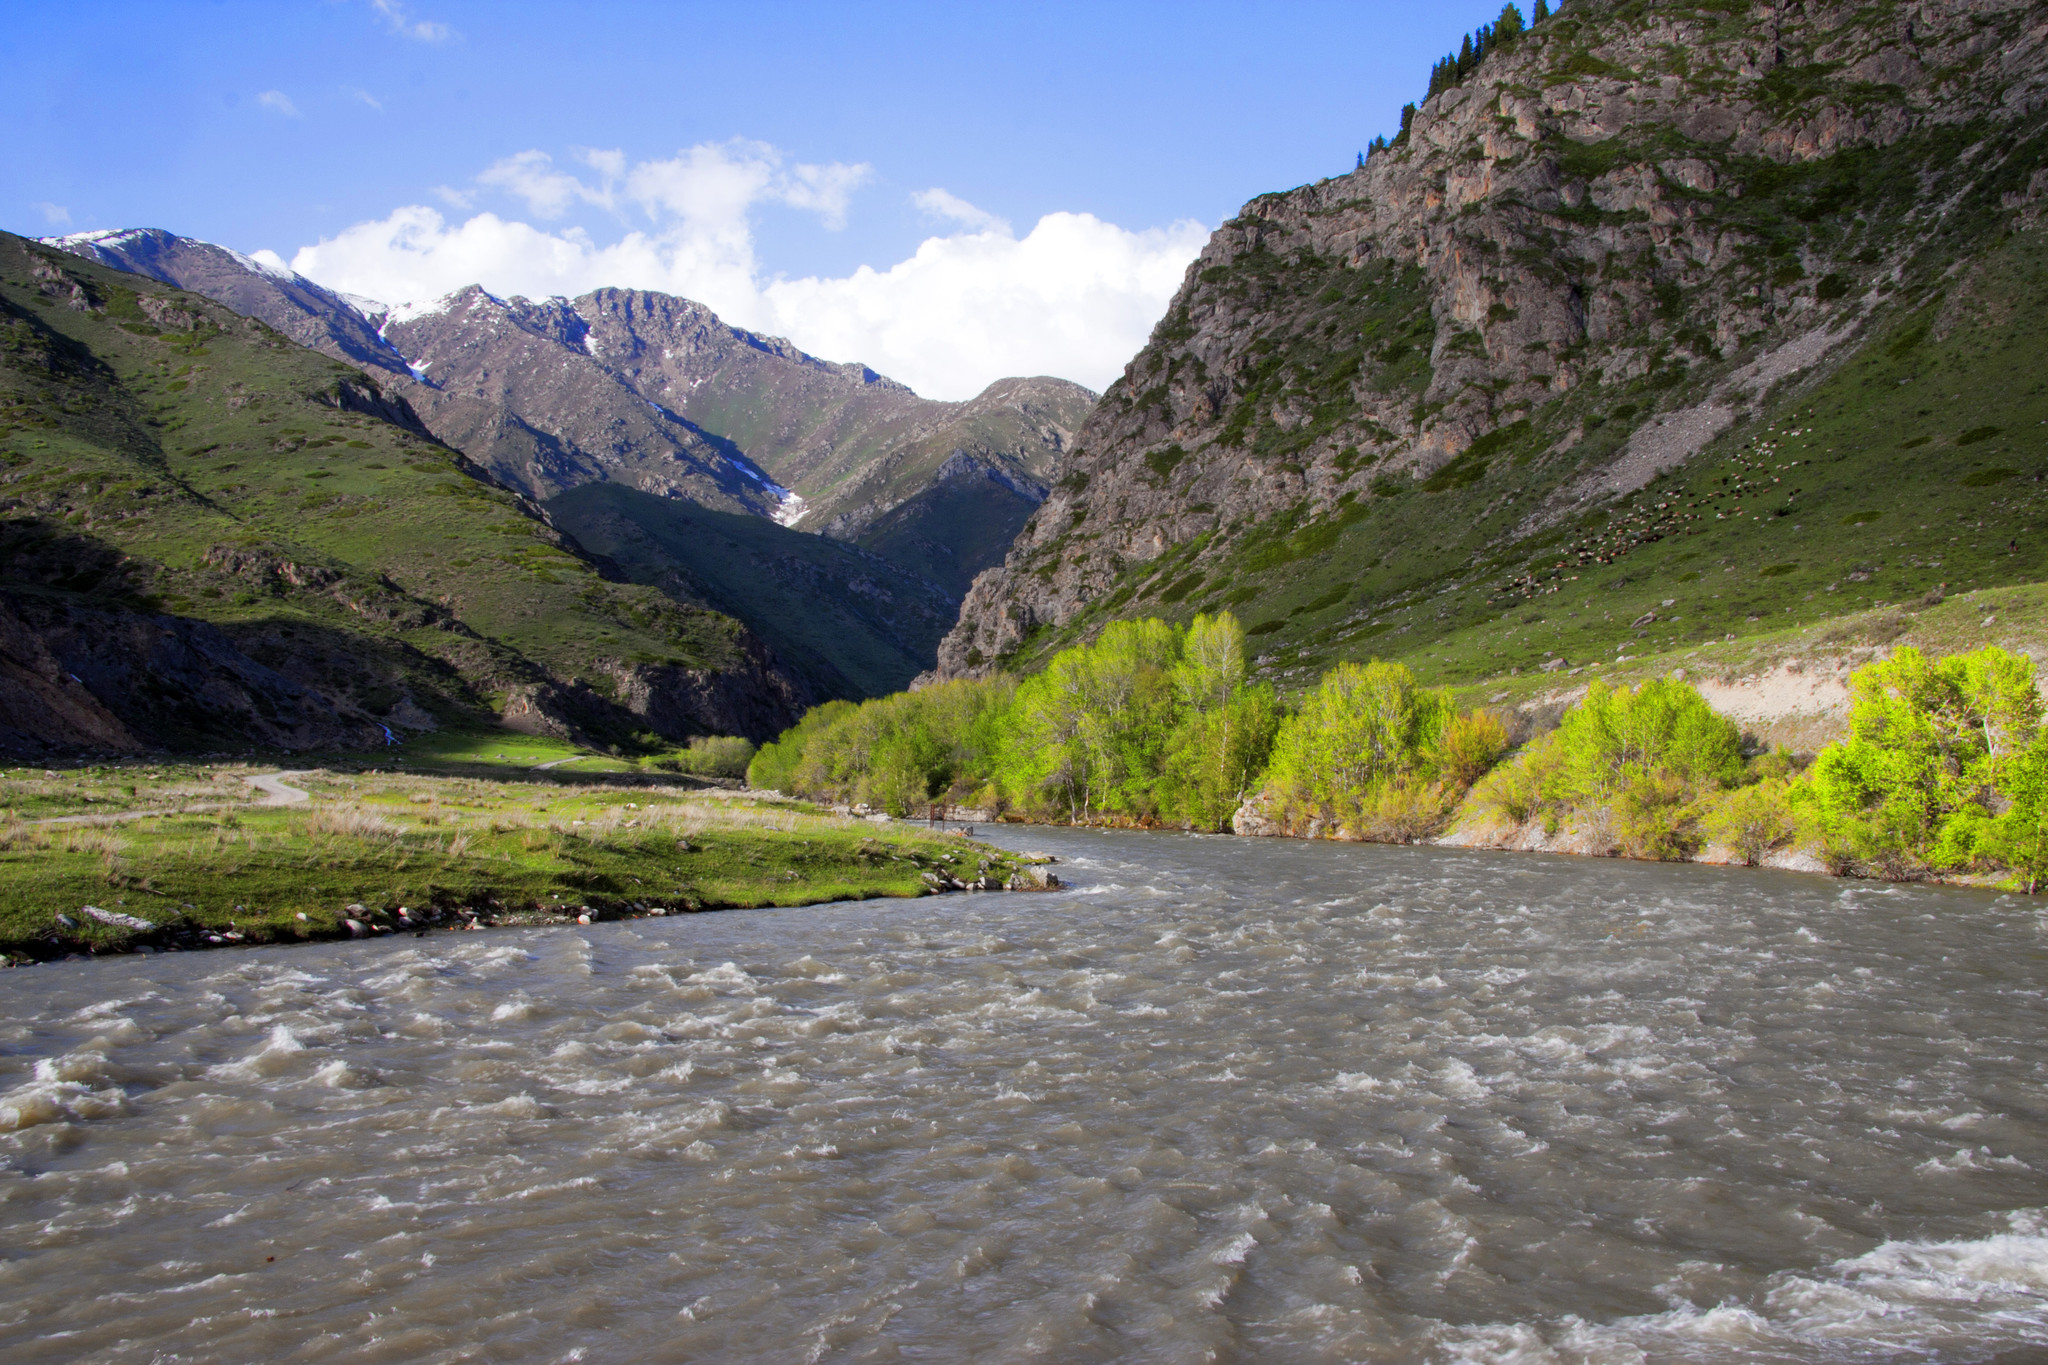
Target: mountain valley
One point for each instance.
(654, 392)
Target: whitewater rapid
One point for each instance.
(1224, 1099)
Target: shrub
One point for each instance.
(1471, 745)
(1362, 728)
(1638, 766)
(1755, 821)
(1929, 741)
(728, 756)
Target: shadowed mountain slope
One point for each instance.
(211, 536)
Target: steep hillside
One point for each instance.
(304, 311)
(1666, 323)
(214, 536)
(853, 624)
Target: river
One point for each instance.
(1252, 1100)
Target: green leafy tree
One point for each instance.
(1929, 742)
(1362, 729)
(1090, 732)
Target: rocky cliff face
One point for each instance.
(1636, 234)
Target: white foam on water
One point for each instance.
(1910, 1300)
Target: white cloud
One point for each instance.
(548, 192)
(1074, 297)
(403, 24)
(939, 204)
(354, 92)
(56, 215)
(277, 102)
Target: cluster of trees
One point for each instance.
(1944, 770)
(1150, 723)
(1456, 66)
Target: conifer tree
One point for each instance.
(1508, 26)
(1539, 12)
(1464, 60)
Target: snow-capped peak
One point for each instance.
(96, 237)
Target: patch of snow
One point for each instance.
(265, 263)
(370, 309)
(792, 509)
(406, 312)
(103, 237)
(419, 371)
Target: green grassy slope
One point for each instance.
(855, 625)
(163, 454)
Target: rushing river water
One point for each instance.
(1232, 1100)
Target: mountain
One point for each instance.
(851, 623)
(1658, 323)
(656, 392)
(211, 536)
(304, 311)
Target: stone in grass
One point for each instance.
(119, 920)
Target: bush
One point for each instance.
(1639, 764)
(727, 756)
(1755, 821)
(1930, 742)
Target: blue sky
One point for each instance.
(826, 129)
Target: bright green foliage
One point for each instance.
(1089, 734)
(1756, 820)
(774, 767)
(1661, 726)
(2018, 838)
(899, 753)
(1365, 752)
(1226, 729)
(1648, 761)
(1218, 756)
(1149, 723)
(710, 756)
(1930, 741)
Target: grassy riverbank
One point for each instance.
(185, 855)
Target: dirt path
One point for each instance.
(272, 785)
(275, 792)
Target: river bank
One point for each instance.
(219, 858)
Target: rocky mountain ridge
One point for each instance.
(1632, 248)
(659, 393)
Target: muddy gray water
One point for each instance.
(1225, 1100)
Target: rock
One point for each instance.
(1032, 879)
(119, 920)
(356, 928)
(1254, 820)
